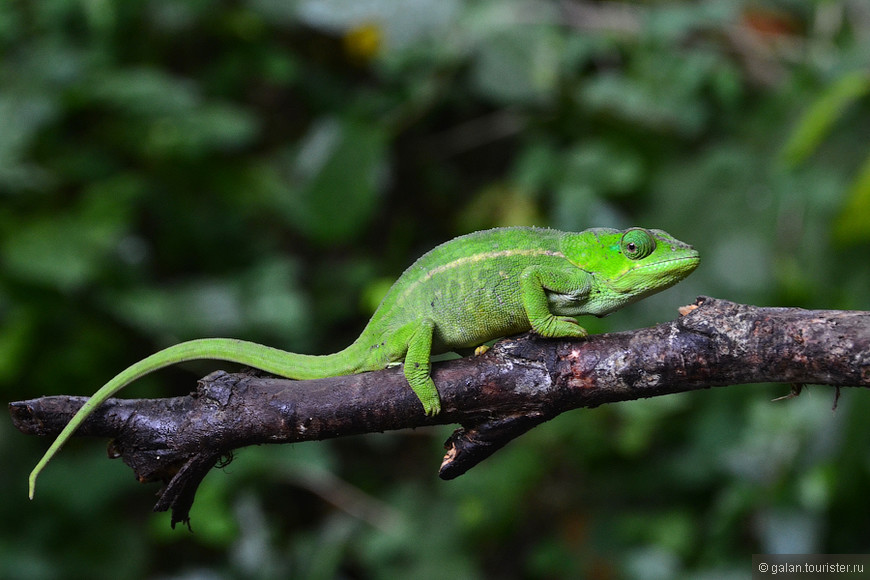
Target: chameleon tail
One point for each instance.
(271, 360)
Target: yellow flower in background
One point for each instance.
(363, 42)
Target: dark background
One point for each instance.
(265, 169)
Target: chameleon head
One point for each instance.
(627, 265)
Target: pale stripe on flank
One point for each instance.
(474, 258)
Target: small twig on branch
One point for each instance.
(520, 383)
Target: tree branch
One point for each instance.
(520, 383)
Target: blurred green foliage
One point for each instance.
(264, 168)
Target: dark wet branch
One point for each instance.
(520, 383)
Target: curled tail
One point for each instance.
(271, 360)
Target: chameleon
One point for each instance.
(459, 295)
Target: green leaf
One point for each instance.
(22, 116)
(144, 91)
(68, 250)
(658, 103)
(15, 339)
(519, 65)
(165, 116)
(816, 123)
(853, 223)
(210, 127)
(339, 173)
(263, 299)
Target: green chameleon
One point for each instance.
(459, 295)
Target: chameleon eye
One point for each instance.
(637, 243)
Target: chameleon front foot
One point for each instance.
(428, 395)
(431, 407)
(559, 327)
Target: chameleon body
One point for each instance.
(459, 295)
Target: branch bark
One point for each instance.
(520, 383)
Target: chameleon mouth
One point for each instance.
(667, 273)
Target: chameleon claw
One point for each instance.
(431, 408)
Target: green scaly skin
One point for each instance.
(461, 294)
